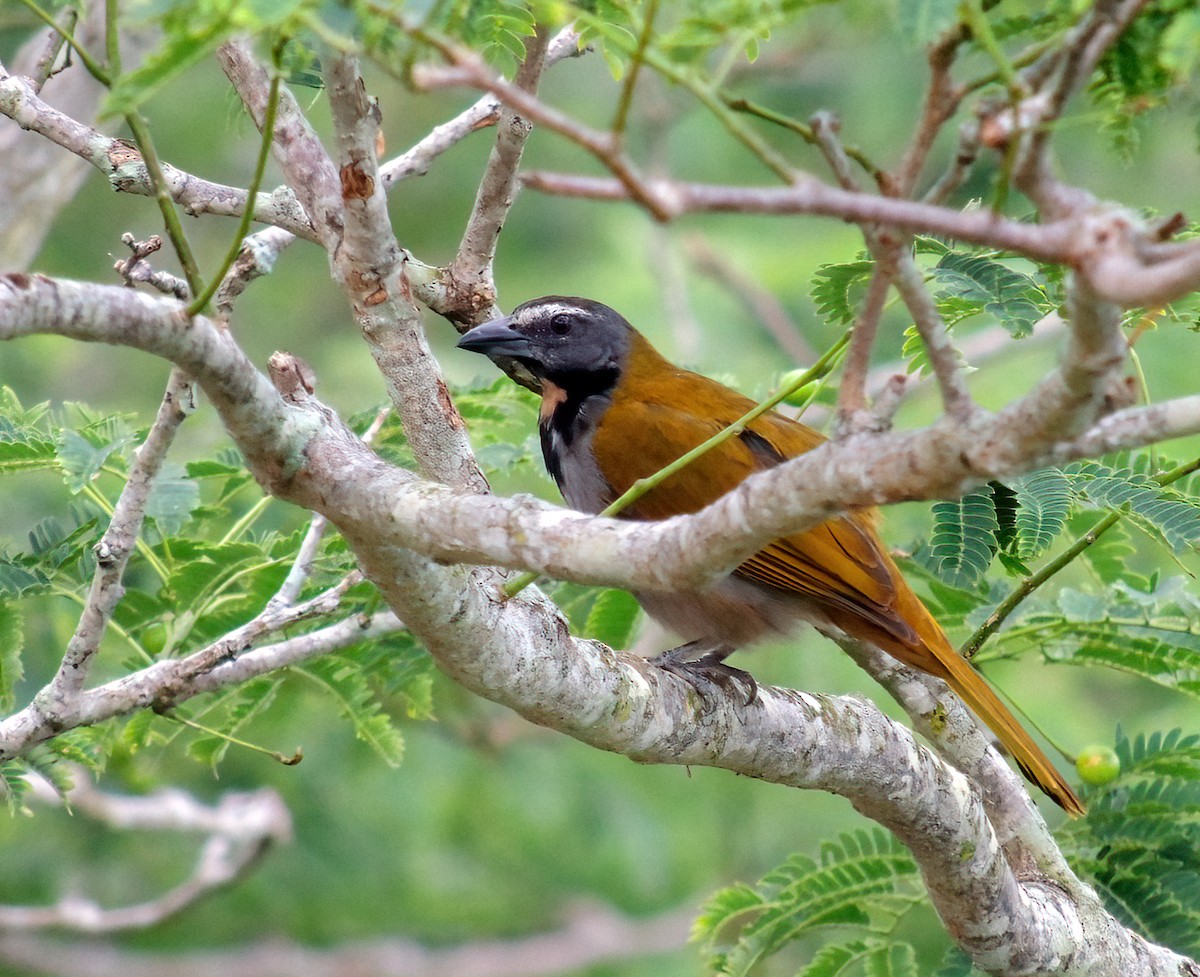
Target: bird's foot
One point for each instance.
(702, 665)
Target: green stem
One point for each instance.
(94, 68)
(112, 37)
(1031, 583)
(264, 152)
(817, 371)
(643, 485)
(287, 761)
(166, 203)
(708, 97)
(971, 12)
(637, 60)
(141, 136)
(801, 129)
(142, 546)
(247, 520)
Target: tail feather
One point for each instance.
(978, 695)
(933, 653)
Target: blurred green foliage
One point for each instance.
(437, 816)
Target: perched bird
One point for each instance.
(614, 411)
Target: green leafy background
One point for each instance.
(423, 812)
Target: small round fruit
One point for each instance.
(1098, 765)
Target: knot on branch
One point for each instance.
(292, 377)
(357, 184)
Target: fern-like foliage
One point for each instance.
(964, 538)
(865, 880)
(979, 284)
(1161, 511)
(1153, 634)
(836, 290)
(1140, 843)
(1043, 501)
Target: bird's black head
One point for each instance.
(572, 342)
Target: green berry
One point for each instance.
(799, 396)
(154, 638)
(1098, 765)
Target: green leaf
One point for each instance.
(833, 960)
(172, 499)
(1015, 300)
(956, 963)
(864, 879)
(892, 960)
(1044, 501)
(242, 704)
(1158, 655)
(835, 290)
(1109, 555)
(613, 618)
(14, 787)
(346, 683)
(1162, 511)
(27, 456)
(922, 21)
(1170, 754)
(964, 537)
(12, 641)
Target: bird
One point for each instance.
(614, 410)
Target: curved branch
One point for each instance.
(520, 653)
(240, 828)
(1106, 245)
(303, 453)
(120, 161)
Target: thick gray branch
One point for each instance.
(520, 653)
(303, 454)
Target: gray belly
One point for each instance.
(733, 612)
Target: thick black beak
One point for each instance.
(496, 338)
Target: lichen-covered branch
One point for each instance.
(519, 652)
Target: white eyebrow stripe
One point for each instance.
(550, 309)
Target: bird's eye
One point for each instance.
(560, 324)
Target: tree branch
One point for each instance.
(470, 273)
(240, 829)
(120, 161)
(1107, 246)
(519, 653)
(300, 452)
(115, 548)
(310, 173)
(590, 935)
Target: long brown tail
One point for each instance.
(978, 695)
(932, 652)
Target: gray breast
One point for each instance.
(575, 469)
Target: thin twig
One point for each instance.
(44, 70)
(137, 270)
(470, 274)
(942, 99)
(260, 168)
(470, 69)
(945, 359)
(115, 548)
(852, 395)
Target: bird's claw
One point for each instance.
(707, 672)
